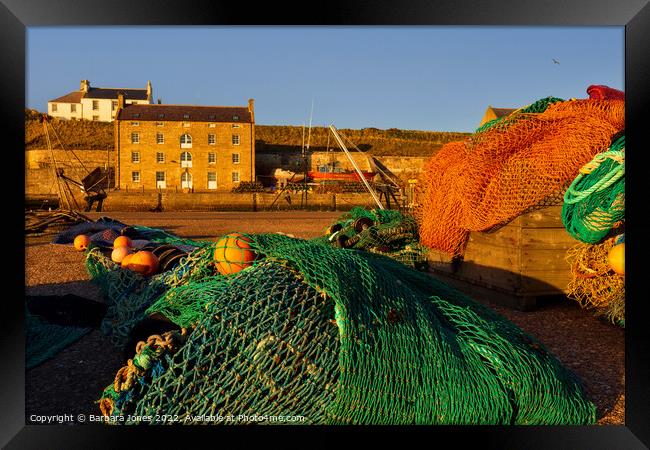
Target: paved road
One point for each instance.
(209, 225)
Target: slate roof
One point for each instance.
(72, 97)
(129, 94)
(102, 93)
(500, 112)
(185, 113)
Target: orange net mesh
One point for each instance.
(594, 285)
(506, 170)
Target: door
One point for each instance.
(186, 180)
(212, 180)
(160, 180)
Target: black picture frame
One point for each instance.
(634, 15)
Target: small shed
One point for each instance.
(492, 113)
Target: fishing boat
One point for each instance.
(287, 175)
(332, 172)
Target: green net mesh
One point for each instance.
(534, 108)
(338, 336)
(595, 201)
(384, 232)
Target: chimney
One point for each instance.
(120, 101)
(85, 86)
(149, 90)
(251, 108)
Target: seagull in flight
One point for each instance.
(555, 61)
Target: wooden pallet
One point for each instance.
(515, 265)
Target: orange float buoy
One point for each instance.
(126, 260)
(616, 258)
(122, 241)
(143, 262)
(119, 253)
(233, 253)
(81, 242)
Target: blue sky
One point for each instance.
(419, 78)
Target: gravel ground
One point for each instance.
(73, 380)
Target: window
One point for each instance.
(186, 116)
(212, 125)
(186, 159)
(135, 157)
(235, 125)
(73, 108)
(135, 115)
(211, 139)
(95, 105)
(235, 117)
(95, 118)
(160, 138)
(161, 116)
(160, 124)
(235, 139)
(160, 157)
(212, 158)
(135, 138)
(186, 124)
(54, 107)
(186, 141)
(235, 177)
(235, 158)
(160, 180)
(113, 105)
(135, 124)
(135, 177)
(212, 180)
(212, 116)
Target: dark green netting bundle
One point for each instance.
(128, 294)
(385, 232)
(534, 108)
(342, 336)
(43, 339)
(595, 201)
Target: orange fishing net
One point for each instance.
(594, 285)
(526, 161)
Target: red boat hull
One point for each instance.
(341, 176)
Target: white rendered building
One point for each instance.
(99, 104)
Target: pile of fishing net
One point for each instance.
(384, 232)
(594, 213)
(511, 166)
(594, 285)
(329, 335)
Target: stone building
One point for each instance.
(492, 113)
(184, 147)
(93, 103)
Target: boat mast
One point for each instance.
(356, 167)
(304, 180)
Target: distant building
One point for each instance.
(184, 147)
(92, 103)
(494, 113)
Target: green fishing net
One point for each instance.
(595, 201)
(502, 122)
(388, 233)
(334, 336)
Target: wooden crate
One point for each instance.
(515, 265)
